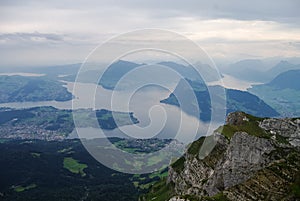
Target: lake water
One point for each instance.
(233, 83)
(156, 119)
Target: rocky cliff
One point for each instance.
(253, 159)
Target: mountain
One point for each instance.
(258, 70)
(253, 159)
(282, 93)
(190, 73)
(117, 70)
(249, 70)
(281, 67)
(235, 100)
(287, 80)
(109, 78)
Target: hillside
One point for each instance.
(281, 67)
(250, 156)
(249, 69)
(236, 100)
(22, 89)
(282, 93)
(286, 80)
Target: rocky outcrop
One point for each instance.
(286, 128)
(244, 156)
(178, 199)
(260, 160)
(236, 118)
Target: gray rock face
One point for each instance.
(178, 199)
(244, 156)
(192, 179)
(238, 159)
(287, 128)
(236, 118)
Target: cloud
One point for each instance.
(31, 37)
(220, 26)
(269, 10)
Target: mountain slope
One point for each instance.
(236, 100)
(250, 70)
(251, 155)
(120, 68)
(281, 67)
(190, 73)
(282, 93)
(286, 80)
(115, 72)
(22, 89)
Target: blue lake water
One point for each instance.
(156, 119)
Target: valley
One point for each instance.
(64, 170)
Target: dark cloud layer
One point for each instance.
(66, 30)
(271, 10)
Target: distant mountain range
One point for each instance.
(250, 70)
(235, 101)
(257, 70)
(120, 68)
(282, 93)
(117, 70)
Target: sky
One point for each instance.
(35, 32)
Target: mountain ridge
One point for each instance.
(236, 100)
(249, 157)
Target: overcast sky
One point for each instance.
(65, 31)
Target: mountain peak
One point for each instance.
(284, 62)
(236, 118)
(243, 167)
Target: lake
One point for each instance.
(231, 82)
(156, 119)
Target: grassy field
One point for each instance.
(251, 127)
(24, 188)
(74, 166)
